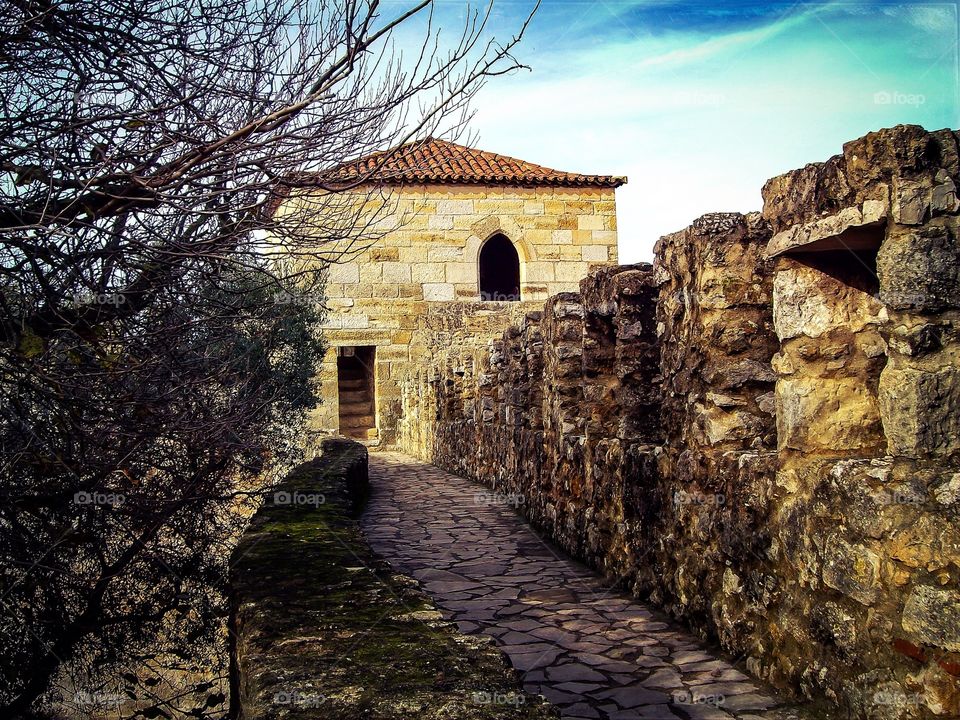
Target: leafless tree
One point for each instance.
(158, 323)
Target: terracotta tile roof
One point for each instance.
(440, 161)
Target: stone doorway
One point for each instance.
(356, 389)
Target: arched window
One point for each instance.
(499, 270)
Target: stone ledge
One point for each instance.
(853, 228)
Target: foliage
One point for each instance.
(158, 320)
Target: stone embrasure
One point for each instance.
(321, 629)
(758, 433)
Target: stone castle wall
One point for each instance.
(423, 249)
(759, 433)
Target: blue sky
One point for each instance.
(699, 103)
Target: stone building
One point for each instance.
(467, 236)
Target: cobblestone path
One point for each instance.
(590, 650)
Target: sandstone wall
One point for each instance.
(759, 433)
(867, 401)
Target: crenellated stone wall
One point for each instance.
(759, 433)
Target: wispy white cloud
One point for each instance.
(931, 17)
(710, 48)
(698, 122)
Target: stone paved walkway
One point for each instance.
(592, 651)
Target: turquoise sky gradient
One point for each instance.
(700, 103)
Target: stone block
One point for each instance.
(392, 352)
(362, 291)
(593, 222)
(604, 237)
(830, 415)
(570, 271)
(595, 253)
(455, 207)
(561, 237)
(532, 207)
(720, 427)
(437, 292)
(383, 254)
(538, 272)
(347, 273)
(943, 198)
(440, 222)
(460, 272)
(410, 290)
(427, 272)
(911, 201)
(811, 303)
(444, 254)
(537, 237)
(919, 268)
(371, 272)
(846, 228)
(354, 321)
(932, 616)
(553, 204)
(499, 207)
(852, 569)
(394, 272)
(920, 409)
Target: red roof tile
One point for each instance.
(439, 161)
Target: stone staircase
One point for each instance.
(356, 405)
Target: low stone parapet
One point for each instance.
(321, 629)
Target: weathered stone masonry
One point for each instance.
(429, 211)
(760, 433)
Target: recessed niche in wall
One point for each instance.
(854, 268)
(849, 256)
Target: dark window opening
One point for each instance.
(499, 270)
